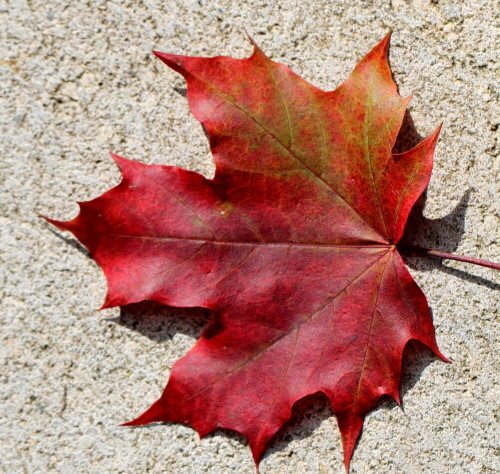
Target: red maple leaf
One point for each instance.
(292, 246)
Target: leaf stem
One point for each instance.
(451, 256)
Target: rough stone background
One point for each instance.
(78, 79)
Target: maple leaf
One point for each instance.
(292, 246)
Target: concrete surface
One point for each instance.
(77, 80)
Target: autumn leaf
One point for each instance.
(292, 246)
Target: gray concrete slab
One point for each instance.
(78, 79)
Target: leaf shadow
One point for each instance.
(308, 414)
(444, 233)
(69, 240)
(408, 137)
(182, 91)
(160, 323)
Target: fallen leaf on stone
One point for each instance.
(292, 245)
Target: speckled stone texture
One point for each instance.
(78, 79)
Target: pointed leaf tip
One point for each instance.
(120, 161)
(443, 357)
(106, 305)
(61, 225)
(350, 426)
(256, 48)
(167, 58)
(151, 415)
(385, 42)
(123, 164)
(127, 167)
(397, 398)
(257, 454)
(173, 61)
(249, 37)
(383, 46)
(437, 132)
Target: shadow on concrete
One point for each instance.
(307, 415)
(160, 323)
(68, 240)
(442, 234)
(408, 137)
